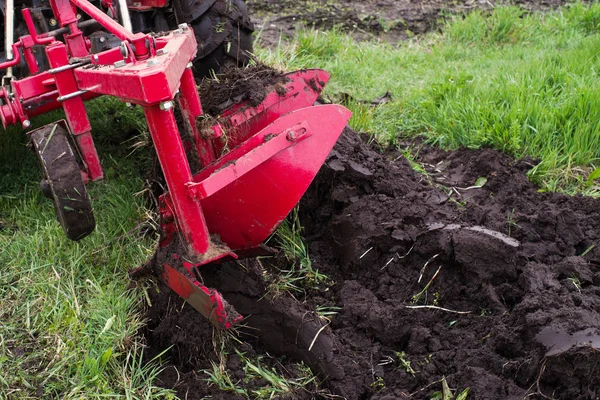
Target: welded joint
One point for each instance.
(195, 191)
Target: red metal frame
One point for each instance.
(241, 195)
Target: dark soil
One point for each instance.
(235, 85)
(494, 288)
(389, 20)
(520, 262)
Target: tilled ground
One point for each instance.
(467, 273)
(508, 277)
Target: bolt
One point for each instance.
(152, 62)
(78, 16)
(119, 64)
(95, 58)
(102, 39)
(183, 27)
(291, 136)
(26, 124)
(189, 65)
(166, 105)
(177, 31)
(52, 22)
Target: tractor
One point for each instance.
(251, 165)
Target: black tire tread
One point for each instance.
(224, 35)
(62, 173)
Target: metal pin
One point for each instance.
(152, 62)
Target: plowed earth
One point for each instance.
(487, 283)
(518, 265)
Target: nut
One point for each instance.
(166, 105)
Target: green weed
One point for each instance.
(300, 275)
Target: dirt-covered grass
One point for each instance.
(525, 83)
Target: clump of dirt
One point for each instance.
(493, 286)
(234, 85)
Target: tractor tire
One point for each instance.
(223, 31)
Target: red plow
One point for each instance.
(255, 161)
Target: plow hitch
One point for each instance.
(230, 180)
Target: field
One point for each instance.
(446, 250)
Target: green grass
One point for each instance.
(69, 326)
(300, 274)
(524, 83)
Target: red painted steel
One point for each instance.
(176, 169)
(145, 83)
(206, 301)
(191, 110)
(74, 108)
(37, 39)
(245, 212)
(146, 5)
(241, 195)
(292, 91)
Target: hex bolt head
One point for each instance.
(26, 124)
(291, 136)
(152, 62)
(166, 105)
(52, 22)
(102, 39)
(183, 27)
